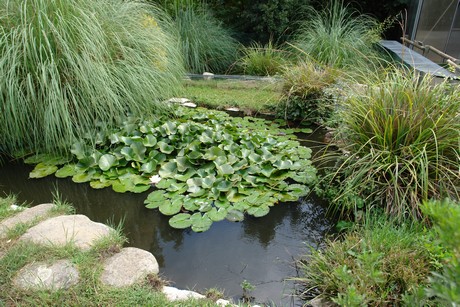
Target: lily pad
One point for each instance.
(66, 171)
(235, 216)
(259, 211)
(42, 170)
(180, 221)
(200, 222)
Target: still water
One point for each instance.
(260, 250)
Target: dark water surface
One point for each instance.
(259, 250)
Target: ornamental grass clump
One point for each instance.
(262, 60)
(338, 36)
(66, 65)
(205, 44)
(402, 136)
(304, 97)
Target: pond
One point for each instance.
(260, 250)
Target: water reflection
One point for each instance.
(260, 250)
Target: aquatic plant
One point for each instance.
(402, 138)
(212, 166)
(68, 64)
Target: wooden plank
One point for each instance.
(416, 60)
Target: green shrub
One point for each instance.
(445, 285)
(206, 45)
(262, 60)
(373, 265)
(68, 64)
(338, 36)
(402, 139)
(303, 92)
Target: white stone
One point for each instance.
(174, 294)
(128, 267)
(188, 104)
(222, 302)
(179, 100)
(208, 75)
(64, 229)
(16, 208)
(232, 109)
(43, 276)
(23, 217)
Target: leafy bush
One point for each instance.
(402, 139)
(445, 285)
(261, 20)
(373, 265)
(338, 36)
(206, 166)
(262, 60)
(303, 92)
(206, 45)
(68, 64)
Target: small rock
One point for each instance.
(208, 75)
(16, 208)
(128, 267)
(61, 230)
(174, 294)
(188, 104)
(42, 276)
(232, 109)
(179, 100)
(222, 302)
(25, 216)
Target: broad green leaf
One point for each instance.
(97, 184)
(168, 170)
(82, 177)
(267, 170)
(298, 189)
(42, 170)
(235, 216)
(66, 171)
(224, 186)
(80, 150)
(258, 211)
(180, 221)
(149, 140)
(200, 222)
(283, 164)
(165, 148)
(225, 169)
(140, 188)
(217, 215)
(107, 161)
(119, 187)
(155, 196)
(170, 208)
(149, 167)
(164, 183)
(186, 176)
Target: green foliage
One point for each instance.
(68, 64)
(401, 136)
(211, 166)
(304, 97)
(374, 264)
(338, 36)
(445, 285)
(205, 44)
(262, 60)
(261, 20)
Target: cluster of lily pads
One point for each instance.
(206, 166)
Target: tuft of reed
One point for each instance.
(67, 65)
(262, 60)
(205, 44)
(402, 136)
(338, 36)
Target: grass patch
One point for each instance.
(251, 96)
(374, 264)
